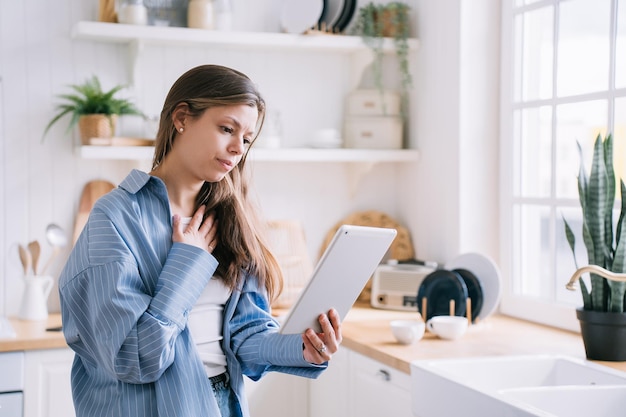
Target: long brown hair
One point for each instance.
(241, 247)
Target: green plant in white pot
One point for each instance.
(602, 317)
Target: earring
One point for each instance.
(181, 130)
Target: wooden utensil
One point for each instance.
(92, 191)
(35, 250)
(25, 258)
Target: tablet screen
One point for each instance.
(340, 275)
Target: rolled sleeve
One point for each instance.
(185, 274)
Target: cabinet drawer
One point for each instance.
(375, 371)
(378, 390)
(11, 404)
(11, 371)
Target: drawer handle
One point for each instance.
(384, 375)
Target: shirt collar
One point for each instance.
(137, 180)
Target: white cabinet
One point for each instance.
(357, 386)
(328, 394)
(353, 386)
(277, 395)
(47, 389)
(11, 383)
(11, 404)
(377, 390)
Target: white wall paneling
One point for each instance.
(40, 183)
(456, 118)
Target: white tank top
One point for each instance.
(205, 324)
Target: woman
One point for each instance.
(166, 295)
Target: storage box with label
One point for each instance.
(373, 120)
(373, 103)
(375, 132)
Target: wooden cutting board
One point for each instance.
(92, 191)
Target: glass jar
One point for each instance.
(223, 15)
(132, 12)
(200, 14)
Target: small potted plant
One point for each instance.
(94, 111)
(373, 23)
(602, 317)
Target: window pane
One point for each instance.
(534, 46)
(620, 51)
(533, 145)
(577, 122)
(583, 46)
(532, 274)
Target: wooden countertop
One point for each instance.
(31, 335)
(366, 331)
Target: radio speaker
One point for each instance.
(394, 287)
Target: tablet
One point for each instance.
(340, 275)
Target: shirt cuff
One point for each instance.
(186, 272)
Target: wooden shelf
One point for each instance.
(120, 33)
(266, 155)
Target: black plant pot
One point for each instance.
(604, 334)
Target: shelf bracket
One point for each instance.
(355, 173)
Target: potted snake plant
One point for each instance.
(602, 317)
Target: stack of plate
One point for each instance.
(298, 16)
(470, 275)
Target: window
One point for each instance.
(564, 81)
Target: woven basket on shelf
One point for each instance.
(286, 241)
(96, 126)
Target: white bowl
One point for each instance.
(407, 331)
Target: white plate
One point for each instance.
(297, 16)
(489, 275)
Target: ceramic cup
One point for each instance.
(447, 327)
(407, 331)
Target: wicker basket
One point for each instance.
(287, 242)
(96, 126)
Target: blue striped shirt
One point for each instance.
(126, 292)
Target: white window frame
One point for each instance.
(543, 311)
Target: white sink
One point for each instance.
(573, 400)
(539, 385)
